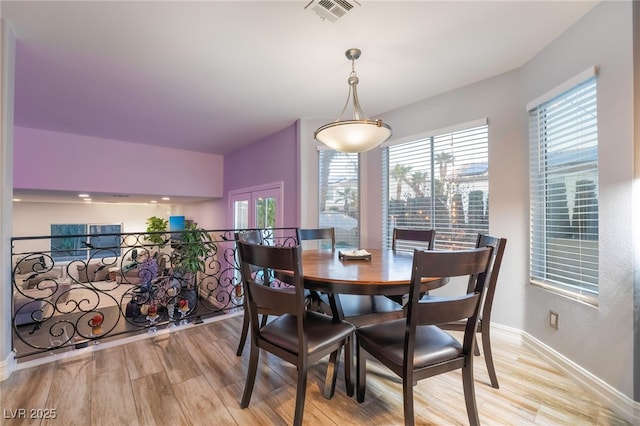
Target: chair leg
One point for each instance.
(361, 377)
(332, 373)
(300, 395)
(488, 358)
(476, 348)
(470, 393)
(407, 399)
(348, 364)
(251, 376)
(243, 334)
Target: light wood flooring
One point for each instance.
(193, 377)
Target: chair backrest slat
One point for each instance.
(253, 236)
(450, 310)
(425, 238)
(312, 234)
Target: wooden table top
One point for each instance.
(387, 273)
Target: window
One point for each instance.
(439, 182)
(85, 241)
(564, 191)
(339, 202)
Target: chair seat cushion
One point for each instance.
(321, 331)
(433, 345)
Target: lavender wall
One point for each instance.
(68, 162)
(272, 159)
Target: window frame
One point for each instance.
(86, 245)
(564, 216)
(454, 235)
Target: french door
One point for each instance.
(256, 207)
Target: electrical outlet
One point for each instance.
(553, 319)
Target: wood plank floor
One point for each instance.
(193, 377)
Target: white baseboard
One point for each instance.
(8, 366)
(608, 396)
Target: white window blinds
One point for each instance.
(439, 182)
(339, 200)
(564, 192)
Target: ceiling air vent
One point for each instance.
(331, 10)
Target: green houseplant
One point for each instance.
(192, 250)
(156, 224)
(190, 254)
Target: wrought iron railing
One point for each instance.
(73, 297)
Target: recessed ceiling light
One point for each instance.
(153, 201)
(165, 198)
(87, 200)
(17, 199)
(83, 195)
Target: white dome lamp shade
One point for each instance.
(359, 134)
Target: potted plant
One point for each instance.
(156, 224)
(189, 257)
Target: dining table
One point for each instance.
(384, 272)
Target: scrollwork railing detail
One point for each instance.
(106, 292)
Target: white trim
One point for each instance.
(437, 132)
(8, 366)
(572, 82)
(610, 397)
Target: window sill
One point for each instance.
(586, 299)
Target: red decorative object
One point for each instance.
(96, 320)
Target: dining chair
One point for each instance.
(253, 236)
(414, 347)
(295, 334)
(484, 321)
(315, 301)
(418, 238)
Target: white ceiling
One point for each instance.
(213, 76)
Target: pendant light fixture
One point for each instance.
(358, 134)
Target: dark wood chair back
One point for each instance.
(498, 245)
(263, 299)
(414, 348)
(310, 234)
(484, 323)
(425, 238)
(252, 236)
(296, 335)
(473, 263)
